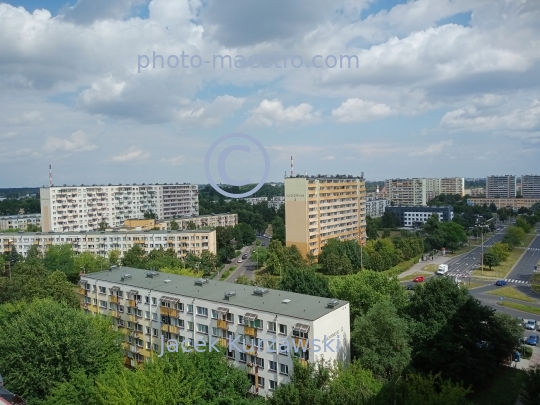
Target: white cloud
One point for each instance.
(8, 135)
(329, 157)
(272, 112)
(77, 142)
(433, 149)
(133, 153)
(174, 161)
(210, 114)
(358, 110)
(29, 118)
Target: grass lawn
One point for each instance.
(536, 288)
(511, 292)
(529, 238)
(431, 267)
(412, 276)
(503, 390)
(520, 307)
(471, 285)
(504, 268)
(401, 267)
(228, 273)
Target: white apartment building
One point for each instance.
(101, 243)
(530, 186)
(501, 186)
(153, 309)
(276, 202)
(375, 206)
(202, 221)
(416, 192)
(73, 208)
(19, 221)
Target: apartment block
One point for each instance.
(84, 208)
(19, 221)
(202, 221)
(318, 209)
(501, 186)
(153, 309)
(276, 202)
(101, 243)
(375, 206)
(406, 192)
(530, 186)
(514, 203)
(410, 217)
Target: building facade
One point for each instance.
(514, 203)
(101, 243)
(202, 221)
(501, 186)
(155, 309)
(276, 202)
(406, 192)
(19, 221)
(530, 186)
(375, 206)
(318, 209)
(85, 208)
(410, 217)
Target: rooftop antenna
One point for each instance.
(50, 175)
(292, 171)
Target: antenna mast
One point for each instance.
(292, 171)
(50, 175)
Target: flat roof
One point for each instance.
(106, 233)
(300, 306)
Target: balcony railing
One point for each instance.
(300, 342)
(222, 324)
(114, 299)
(223, 342)
(250, 331)
(132, 303)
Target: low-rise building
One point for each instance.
(19, 221)
(201, 221)
(276, 202)
(101, 243)
(155, 309)
(410, 217)
(514, 203)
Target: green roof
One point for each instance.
(300, 306)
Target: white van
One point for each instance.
(443, 269)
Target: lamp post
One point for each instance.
(482, 255)
(9, 261)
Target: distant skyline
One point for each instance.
(445, 88)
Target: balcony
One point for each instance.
(300, 342)
(250, 331)
(169, 328)
(222, 324)
(132, 318)
(252, 349)
(170, 312)
(113, 313)
(133, 349)
(223, 342)
(82, 291)
(303, 362)
(132, 303)
(114, 299)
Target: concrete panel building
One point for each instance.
(318, 209)
(514, 203)
(84, 208)
(530, 186)
(410, 217)
(202, 221)
(375, 206)
(101, 243)
(19, 221)
(153, 309)
(406, 192)
(501, 186)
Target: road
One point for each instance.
(524, 268)
(247, 267)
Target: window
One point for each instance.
(189, 308)
(272, 366)
(261, 382)
(260, 362)
(230, 317)
(148, 345)
(155, 332)
(273, 384)
(282, 329)
(94, 301)
(147, 331)
(230, 354)
(243, 357)
(202, 311)
(102, 290)
(156, 347)
(181, 323)
(259, 343)
(138, 313)
(154, 301)
(103, 304)
(154, 316)
(214, 314)
(147, 300)
(271, 327)
(284, 369)
(214, 331)
(120, 308)
(240, 319)
(202, 328)
(303, 335)
(190, 325)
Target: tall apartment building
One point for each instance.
(84, 208)
(501, 186)
(19, 221)
(530, 186)
(318, 209)
(416, 192)
(153, 309)
(101, 243)
(375, 206)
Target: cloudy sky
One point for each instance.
(442, 88)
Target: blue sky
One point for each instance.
(442, 88)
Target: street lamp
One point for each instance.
(9, 261)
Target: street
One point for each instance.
(247, 267)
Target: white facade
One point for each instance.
(19, 221)
(101, 243)
(530, 186)
(153, 311)
(84, 208)
(416, 191)
(501, 186)
(413, 218)
(276, 202)
(375, 206)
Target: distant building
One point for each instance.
(419, 191)
(202, 221)
(410, 217)
(19, 221)
(501, 186)
(514, 203)
(530, 186)
(375, 206)
(476, 192)
(276, 202)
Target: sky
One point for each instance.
(435, 88)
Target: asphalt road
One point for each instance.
(247, 267)
(524, 268)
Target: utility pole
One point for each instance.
(482, 265)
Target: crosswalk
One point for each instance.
(511, 280)
(508, 280)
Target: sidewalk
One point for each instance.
(417, 267)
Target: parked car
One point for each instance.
(419, 279)
(263, 244)
(239, 260)
(532, 340)
(244, 256)
(410, 287)
(500, 282)
(530, 325)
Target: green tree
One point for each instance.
(372, 230)
(174, 225)
(305, 281)
(491, 259)
(380, 340)
(33, 254)
(278, 229)
(522, 223)
(47, 342)
(114, 257)
(243, 280)
(531, 386)
(61, 257)
(454, 235)
(190, 226)
(135, 257)
(501, 250)
(90, 262)
(514, 236)
(148, 214)
(259, 255)
(14, 256)
(103, 226)
(389, 220)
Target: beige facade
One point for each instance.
(19, 221)
(101, 243)
(318, 209)
(516, 203)
(202, 221)
(417, 192)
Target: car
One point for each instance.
(530, 325)
(500, 282)
(532, 340)
(411, 287)
(244, 257)
(419, 279)
(263, 244)
(239, 260)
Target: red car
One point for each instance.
(419, 279)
